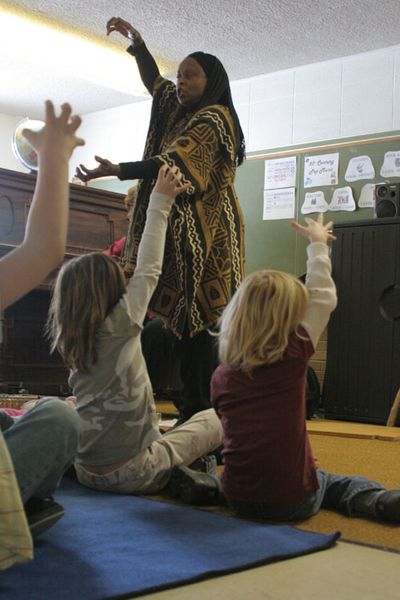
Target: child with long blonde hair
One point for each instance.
(268, 333)
(95, 322)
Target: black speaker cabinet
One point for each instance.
(387, 203)
(363, 358)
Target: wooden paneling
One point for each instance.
(97, 218)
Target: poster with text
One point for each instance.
(279, 204)
(314, 202)
(367, 196)
(342, 199)
(359, 167)
(280, 173)
(391, 164)
(321, 170)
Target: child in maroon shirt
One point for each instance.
(268, 332)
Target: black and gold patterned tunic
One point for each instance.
(204, 251)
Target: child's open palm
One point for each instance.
(58, 134)
(316, 230)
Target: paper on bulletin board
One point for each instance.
(342, 199)
(280, 173)
(279, 204)
(321, 170)
(314, 202)
(391, 164)
(367, 196)
(359, 167)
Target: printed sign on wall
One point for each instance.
(359, 167)
(391, 164)
(314, 202)
(367, 196)
(321, 170)
(280, 173)
(279, 204)
(342, 199)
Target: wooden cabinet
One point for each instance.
(97, 218)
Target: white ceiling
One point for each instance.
(250, 37)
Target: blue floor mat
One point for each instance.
(111, 546)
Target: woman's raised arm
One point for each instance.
(147, 66)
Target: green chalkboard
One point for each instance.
(274, 244)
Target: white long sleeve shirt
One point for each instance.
(115, 399)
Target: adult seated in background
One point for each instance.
(194, 126)
(116, 248)
(35, 450)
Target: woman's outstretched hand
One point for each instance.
(105, 169)
(125, 29)
(315, 231)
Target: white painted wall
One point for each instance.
(352, 96)
(340, 98)
(117, 134)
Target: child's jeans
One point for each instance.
(149, 471)
(353, 496)
(42, 444)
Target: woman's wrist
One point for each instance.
(134, 46)
(116, 170)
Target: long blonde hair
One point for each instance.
(86, 290)
(130, 199)
(264, 311)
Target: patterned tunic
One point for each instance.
(204, 253)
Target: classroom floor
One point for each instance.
(345, 572)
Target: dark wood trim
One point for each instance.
(97, 218)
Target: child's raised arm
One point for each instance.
(151, 248)
(319, 282)
(45, 236)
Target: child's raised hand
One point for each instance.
(315, 231)
(169, 182)
(57, 138)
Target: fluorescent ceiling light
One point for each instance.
(51, 47)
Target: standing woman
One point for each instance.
(193, 126)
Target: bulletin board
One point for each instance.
(273, 243)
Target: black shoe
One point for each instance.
(388, 506)
(218, 454)
(42, 513)
(70, 473)
(193, 487)
(205, 464)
